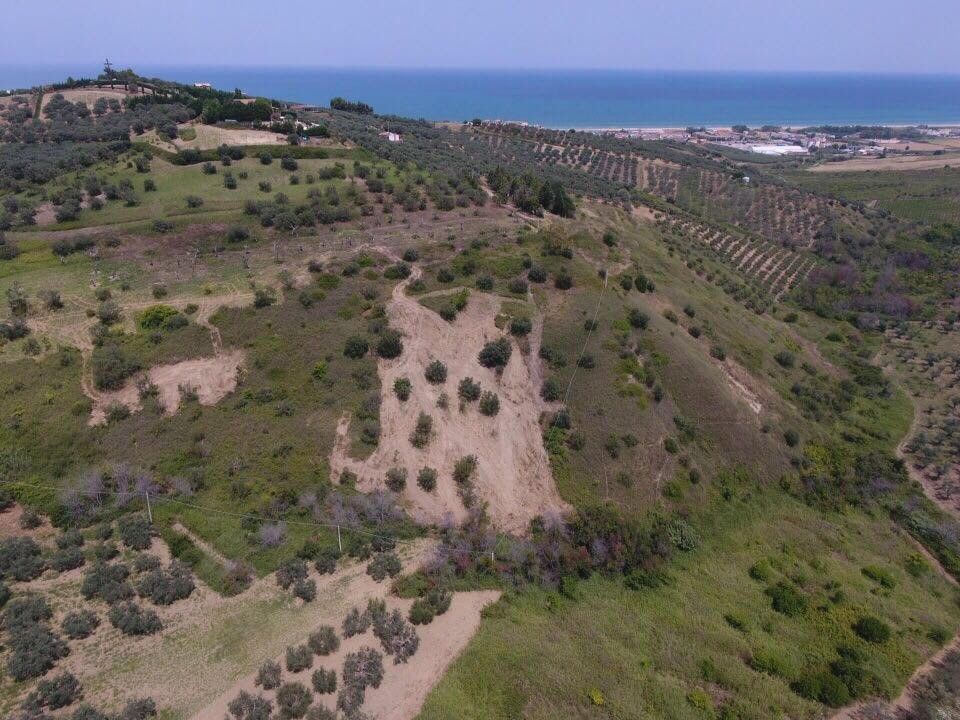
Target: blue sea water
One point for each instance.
(584, 98)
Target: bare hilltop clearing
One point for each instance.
(512, 472)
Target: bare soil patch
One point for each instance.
(211, 136)
(513, 472)
(211, 379)
(895, 162)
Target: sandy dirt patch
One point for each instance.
(211, 645)
(44, 533)
(211, 136)
(513, 473)
(88, 96)
(405, 687)
(212, 379)
(896, 162)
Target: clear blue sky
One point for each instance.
(830, 35)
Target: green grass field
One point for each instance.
(602, 650)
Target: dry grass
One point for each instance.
(896, 162)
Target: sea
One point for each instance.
(582, 99)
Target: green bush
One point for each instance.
(396, 479)
(135, 532)
(468, 390)
(268, 676)
(108, 582)
(324, 681)
(823, 687)
(298, 658)
(464, 468)
(384, 565)
(402, 388)
(872, 629)
(166, 587)
(427, 479)
(293, 700)
(355, 347)
(131, 619)
(436, 373)
(495, 354)
(54, 693)
(420, 437)
(20, 559)
(880, 575)
(79, 624)
(324, 640)
(786, 599)
(521, 326)
(390, 344)
(489, 403)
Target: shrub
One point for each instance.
(717, 351)
(823, 687)
(131, 619)
(66, 559)
(562, 280)
(786, 599)
(355, 347)
(263, 297)
(249, 707)
(785, 359)
(20, 559)
(489, 403)
(268, 676)
(107, 582)
(139, 710)
(464, 468)
(293, 700)
(495, 354)
(355, 623)
(238, 233)
(363, 669)
(324, 681)
(402, 388)
(165, 588)
(55, 693)
(586, 361)
(194, 201)
(791, 437)
(134, 531)
(383, 565)
(326, 560)
(520, 326)
(390, 344)
(638, 319)
(145, 561)
(436, 372)
(872, 629)
(880, 575)
(111, 367)
(26, 611)
(306, 590)
(468, 390)
(518, 286)
(427, 479)
(291, 571)
(484, 283)
(397, 636)
(34, 650)
(79, 624)
(324, 640)
(397, 479)
(299, 657)
(421, 434)
(537, 274)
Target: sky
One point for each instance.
(759, 35)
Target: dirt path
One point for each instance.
(513, 474)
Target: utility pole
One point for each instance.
(146, 494)
(339, 541)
